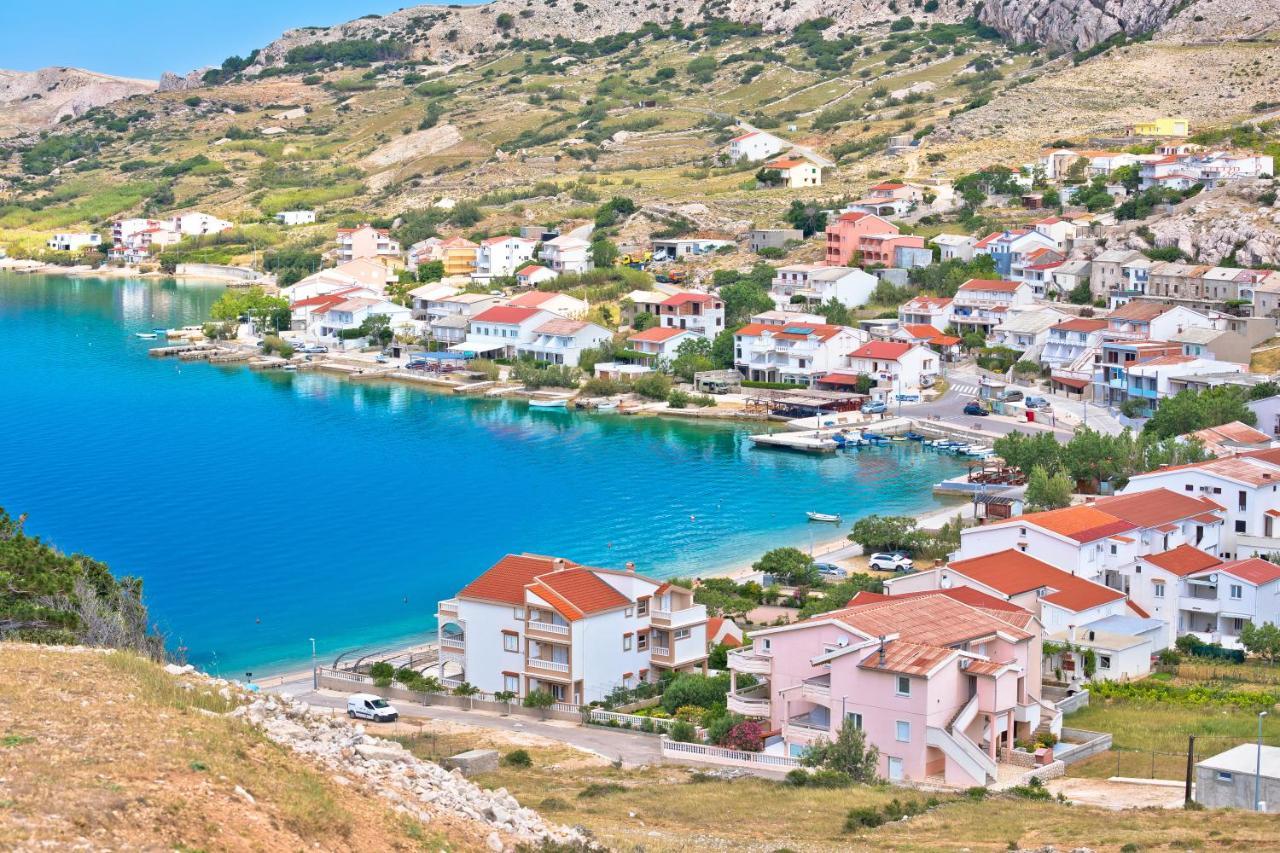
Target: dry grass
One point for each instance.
(109, 752)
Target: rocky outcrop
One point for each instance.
(1074, 24)
(35, 100)
(1212, 226)
(170, 82)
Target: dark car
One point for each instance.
(975, 409)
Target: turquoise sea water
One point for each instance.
(264, 508)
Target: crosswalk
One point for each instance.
(964, 389)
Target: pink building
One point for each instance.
(938, 681)
(882, 248)
(844, 234)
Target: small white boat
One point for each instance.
(823, 516)
(607, 406)
(146, 336)
(547, 404)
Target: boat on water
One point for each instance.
(874, 436)
(823, 516)
(290, 367)
(843, 440)
(548, 404)
(146, 336)
(898, 438)
(913, 436)
(164, 332)
(607, 406)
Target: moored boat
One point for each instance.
(548, 404)
(823, 516)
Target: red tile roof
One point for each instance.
(505, 314)
(688, 297)
(658, 334)
(884, 350)
(839, 379)
(964, 594)
(944, 340)
(531, 269)
(1183, 560)
(903, 656)
(581, 589)
(1253, 570)
(533, 299)
(784, 164)
(506, 579)
(998, 285)
(1012, 572)
(935, 619)
(920, 331)
(822, 331)
(1151, 508)
(1082, 523)
(1081, 324)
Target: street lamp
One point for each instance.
(1257, 778)
(315, 673)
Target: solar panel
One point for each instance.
(797, 330)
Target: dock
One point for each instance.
(809, 442)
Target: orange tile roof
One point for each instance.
(505, 314)
(1141, 311)
(964, 594)
(687, 297)
(1081, 324)
(561, 326)
(531, 269)
(532, 299)
(1083, 523)
(783, 164)
(658, 334)
(822, 330)
(1183, 560)
(935, 619)
(993, 284)
(1012, 572)
(921, 331)
(1254, 570)
(506, 579)
(907, 658)
(581, 589)
(887, 350)
(1150, 508)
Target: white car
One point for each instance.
(366, 706)
(891, 563)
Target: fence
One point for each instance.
(1074, 702)
(334, 679)
(703, 754)
(602, 717)
(1080, 744)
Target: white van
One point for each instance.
(366, 706)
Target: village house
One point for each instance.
(659, 344)
(289, 218)
(754, 145)
(931, 310)
(795, 172)
(1230, 439)
(642, 302)
(557, 303)
(1166, 126)
(1008, 248)
(1143, 320)
(423, 295)
(893, 250)
(532, 623)
(773, 238)
(561, 341)
(1026, 331)
(1118, 271)
(1211, 169)
(351, 313)
(449, 316)
(700, 313)
(498, 257)
(798, 353)
(305, 314)
(982, 304)
(806, 286)
(533, 275)
(890, 198)
(1067, 276)
(845, 234)
(499, 331)
(424, 251)
(896, 367)
(74, 242)
(676, 248)
(938, 686)
(567, 254)
(366, 243)
(954, 247)
(197, 224)
(1071, 339)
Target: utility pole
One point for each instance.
(1191, 763)
(315, 673)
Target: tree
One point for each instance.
(643, 320)
(603, 252)
(505, 697)
(835, 312)
(742, 299)
(541, 700)
(1081, 294)
(722, 348)
(689, 688)
(1048, 491)
(747, 736)
(837, 595)
(430, 271)
(1189, 411)
(884, 532)
(1261, 640)
(789, 565)
(808, 216)
(768, 177)
(1026, 452)
(692, 356)
(848, 754)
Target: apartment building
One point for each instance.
(926, 310)
(982, 304)
(796, 352)
(700, 313)
(806, 286)
(497, 257)
(365, 242)
(938, 685)
(532, 622)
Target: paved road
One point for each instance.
(961, 388)
(632, 749)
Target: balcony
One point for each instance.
(448, 608)
(547, 629)
(678, 618)
(750, 702)
(660, 654)
(812, 722)
(541, 665)
(453, 647)
(744, 660)
(817, 689)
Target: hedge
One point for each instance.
(774, 386)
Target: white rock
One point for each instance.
(245, 795)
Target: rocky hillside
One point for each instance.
(123, 755)
(1074, 24)
(34, 100)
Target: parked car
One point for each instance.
(1010, 395)
(314, 348)
(891, 562)
(1036, 403)
(830, 570)
(875, 407)
(975, 408)
(366, 706)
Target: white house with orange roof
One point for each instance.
(497, 332)
(754, 145)
(561, 341)
(799, 353)
(364, 242)
(937, 685)
(351, 312)
(931, 310)
(1070, 340)
(533, 275)
(658, 344)
(567, 254)
(796, 172)
(816, 284)
(534, 623)
(305, 313)
(700, 313)
(896, 366)
(1007, 248)
(497, 257)
(890, 198)
(557, 303)
(982, 304)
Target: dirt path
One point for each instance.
(1118, 795)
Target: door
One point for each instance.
(895, 769)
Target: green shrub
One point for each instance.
(797, 777)
(864, 817)
(677, 399)
(517, 758)
(600, 789)
(653, 386)
(382, 681)
(829, 779)
(683, 732)
(382, 669)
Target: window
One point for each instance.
(1240, 525)
(766, 645)
(1224, 776)
(902, 731)
(1237, 591)
(1104, 661)
(626, 642)
(642, 642)
(854, 719)
(511, 642)
(628, 612)
(1187, 487)
(518, 612)
(681, 633)
(642, 607)
(1158, 590)
(511, 683)
(904, 686)
(895, 768)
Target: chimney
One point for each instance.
(882, 650)
(631, 567)
(937, 562)
(557, 564)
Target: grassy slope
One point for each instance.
(109, 749)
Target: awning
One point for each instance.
(1206, 518)
(839, 379)
(470, 346)
(1079, 384)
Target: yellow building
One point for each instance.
(458, 255)
(1162, 127)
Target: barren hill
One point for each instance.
(33, 100)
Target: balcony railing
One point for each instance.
(549, 628)
(448, 606)
(753, 702)
(806, 721)
(1198, 604)
(660, 652)
(549, 665)
(679, 618)
(453, 641)
(742, 660)
(817, 688)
